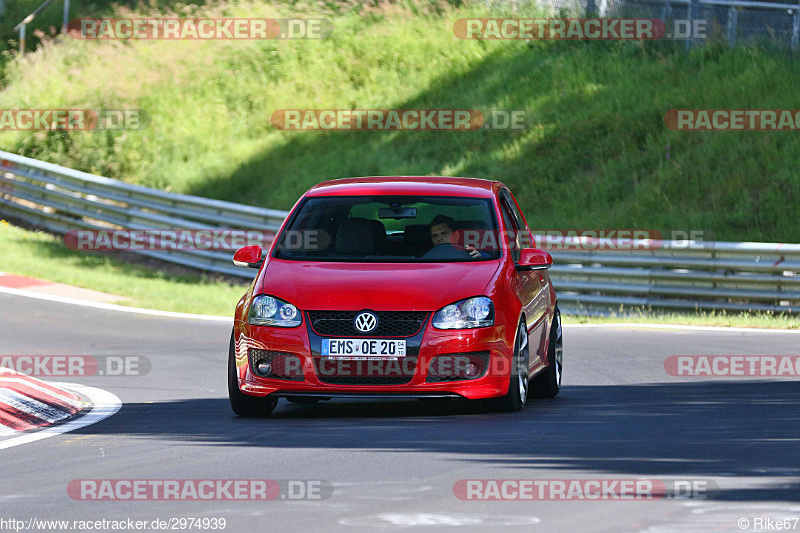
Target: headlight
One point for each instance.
(475, 312)
(268, 311)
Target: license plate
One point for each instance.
(353, 348)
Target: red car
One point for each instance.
(386, 287)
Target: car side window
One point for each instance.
(512, 230)
(523, 237)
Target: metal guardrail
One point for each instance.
(734, 20)
(23, 25)
(670, 275)
(731, 17)
(60, 199)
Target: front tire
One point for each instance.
(548, 383)
(243, 404)
(517, 395)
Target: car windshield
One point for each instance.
(384, 229)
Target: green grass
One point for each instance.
(597, 156)
(702, 318)
(43, 256)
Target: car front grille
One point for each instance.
(390, 323)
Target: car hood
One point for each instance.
(376, 286)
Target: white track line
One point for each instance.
(112, 307)
(6, 431)
(104, 404)
(631, 325)
(212, 318)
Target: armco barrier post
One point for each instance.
(65, 20)
(694, 14)
(733, 17)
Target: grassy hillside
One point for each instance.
(597, 156)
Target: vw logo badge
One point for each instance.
(366, 322)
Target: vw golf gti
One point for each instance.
(388, 287)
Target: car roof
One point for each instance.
(425, 185)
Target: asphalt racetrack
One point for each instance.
(393, 465)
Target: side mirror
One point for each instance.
(249, 256)
(534, 259)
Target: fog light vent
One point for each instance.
(457, 367)
(276, 365)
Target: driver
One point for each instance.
(442, 231)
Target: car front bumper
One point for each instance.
(302, 342)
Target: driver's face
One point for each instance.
(440, 234)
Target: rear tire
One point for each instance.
(547, 384)
(244, 404)
(517, 395)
